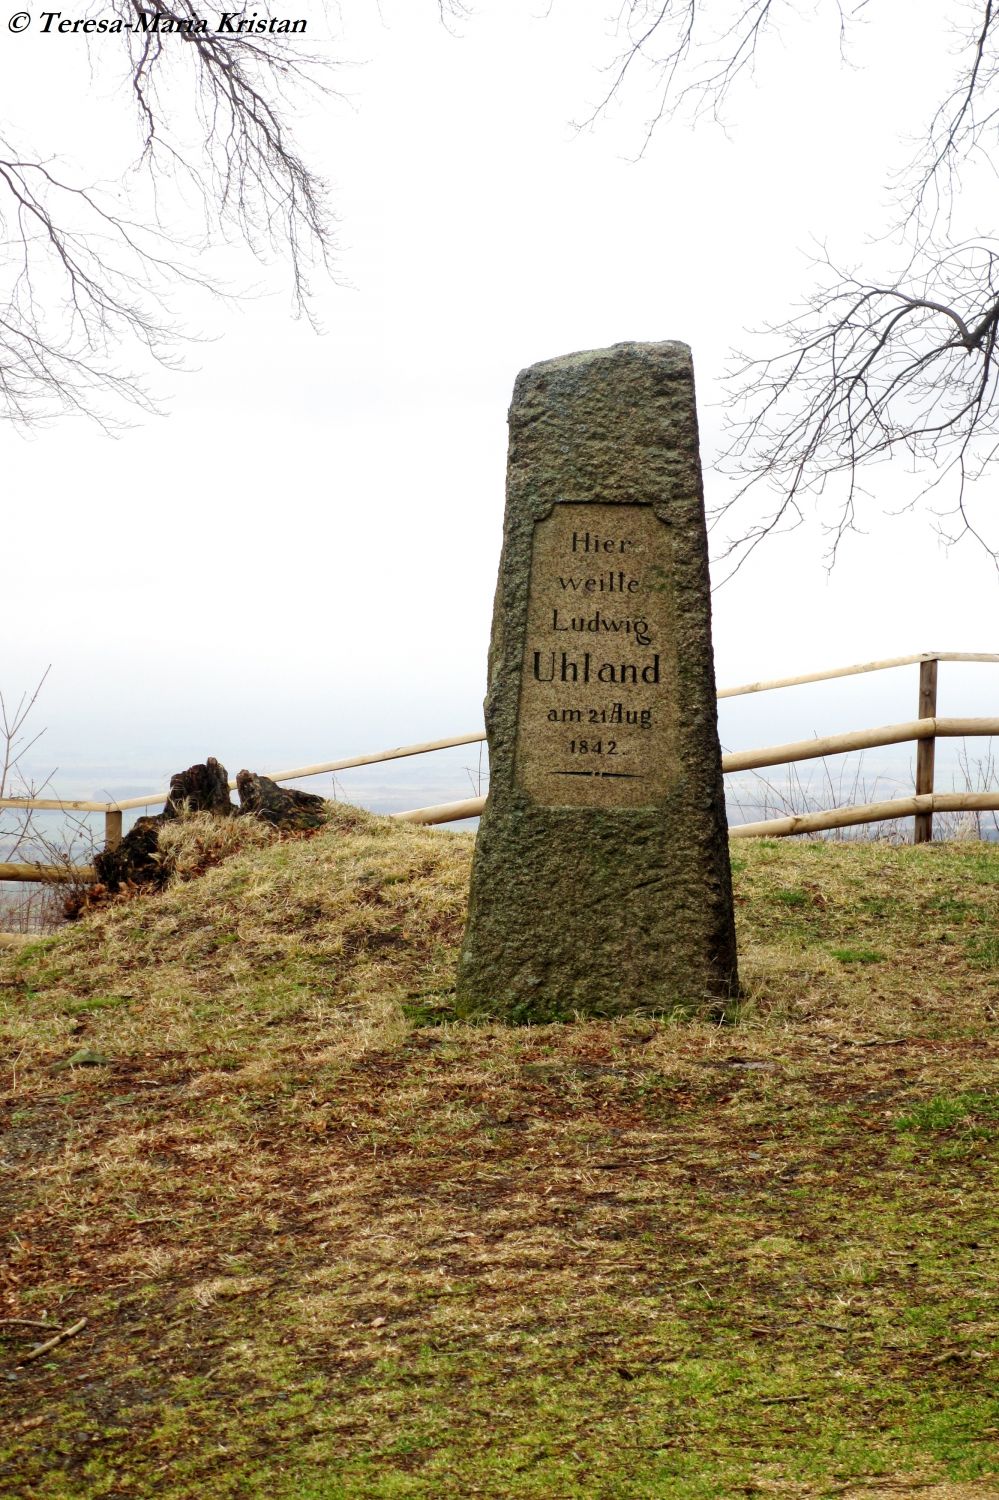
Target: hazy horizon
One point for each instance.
(756, 720)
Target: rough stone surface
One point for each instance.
(601, 881)
(282, 806)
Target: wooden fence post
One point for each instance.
(112, 828)
(925, 749)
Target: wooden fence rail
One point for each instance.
(48, 874)
(924, 730)
(814, 749)
(869, 812)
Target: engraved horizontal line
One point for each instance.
(618, 775)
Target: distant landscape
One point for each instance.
(449, 775)
(462, 772)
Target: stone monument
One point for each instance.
(601, 881)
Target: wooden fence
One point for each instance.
(925, 730)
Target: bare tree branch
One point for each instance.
(865, 369)
(251, 175)
(864, 373)
(693, 61)
(88, 288)
(963, 125)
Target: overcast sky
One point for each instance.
(297, 560)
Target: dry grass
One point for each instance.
(196, 841)
(331, 1244)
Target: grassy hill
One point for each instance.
(329, 1244)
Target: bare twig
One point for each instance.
(20, 829)
(57, 1338)
(637, 1161)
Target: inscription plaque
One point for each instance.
(596, 717)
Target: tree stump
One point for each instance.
(136, 860)
(203, 788)
(283, 807)
(200, 789)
